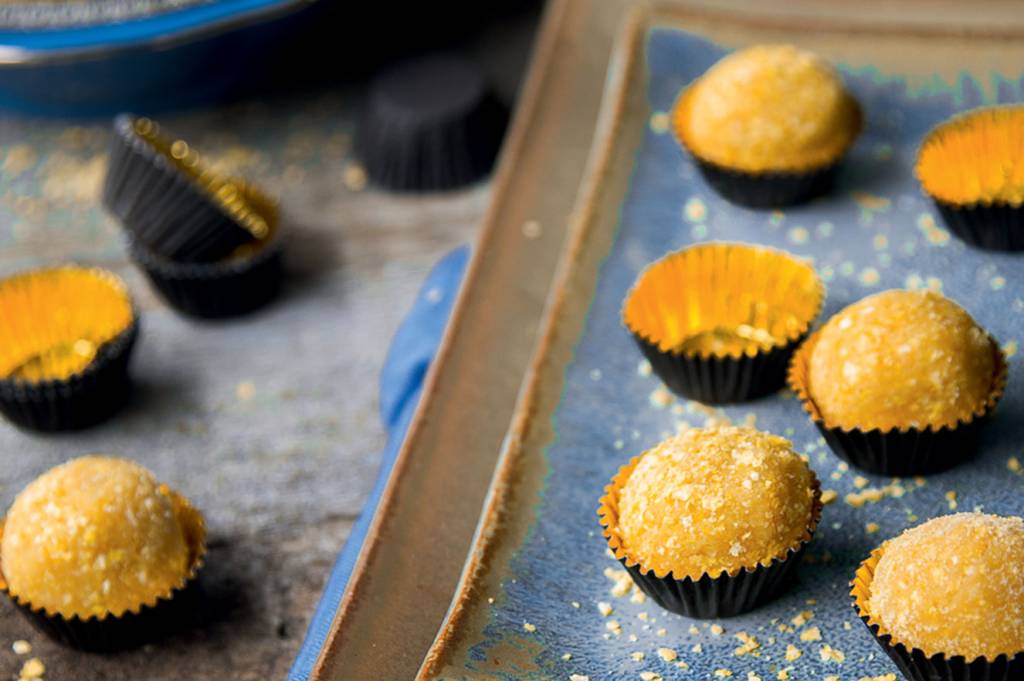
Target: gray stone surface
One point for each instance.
(269, 423)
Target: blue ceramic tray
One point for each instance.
(528, 605)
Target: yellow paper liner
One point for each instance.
(54, 321)
(975, 158)
(799, 381)
(194, 527)
(789, 166)
(608, 511)
(255, 211)
(724, 300)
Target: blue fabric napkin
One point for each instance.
(401, 383)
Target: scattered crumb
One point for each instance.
(605, 608)
(650, 676)
(792, 653)
(578, 677)
(830, 654)
(661, 632)
(951, 498)
(828, 496)
(751, 676)
(717, 629)
(643, 616)
(21, 647)
(667, 654)
(1013, 463)
(33, 669)
(886, 677)
(860, 482)
(831, 678)
(354, 177)
(643, 368)
(802, 618)
(810, 634)
(638, 596)
(723, 673)
(750, 644)
(637, 656)
(529, 627)
(575, 604)
(661, 397)
(567, 656)
(532, 229)
(783, 675)
(613, 626)
(697, 649)
(871, 528)
(245, 390)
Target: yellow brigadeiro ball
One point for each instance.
(768, 108)
(954, 585)
(900, 359)
(715, 499)
(95, 536)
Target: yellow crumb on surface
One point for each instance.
(578, 677)
(1013, 464)
(749, 644)
(605, 608)
(792, 653)
(830, 654)
(713, 500)
(828, 496)
(32, 669)
(21, 647)
(975, 157)
(951, 500)
(650, 676)
(768, 107)
(810, 634)
(245, 390)
(717, 629)
(802, 618)
(937, 586)
(97, 535)
(354, 177)
(871, 528)
(638, 656)
(667, 654)
(723, 673)
(529, 628)
(899, 359)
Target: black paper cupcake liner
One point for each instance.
(767, 189)
(162, 206)
(709, 597)
(917, 665)
(994, 227)
(431, 124)
(83, 400)
(236, 286)
(130, 630)
(900, 453)
(169, 614)
(720, 380)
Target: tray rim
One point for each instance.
(627, 51)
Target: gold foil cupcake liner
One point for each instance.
(66, 335)
(162, 614)
(719, 321)
(172, 202)
(970, 166)
(914, 663)
(899, 451)
(709, 596)
(768, 188)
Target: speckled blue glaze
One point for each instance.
(606, 414)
